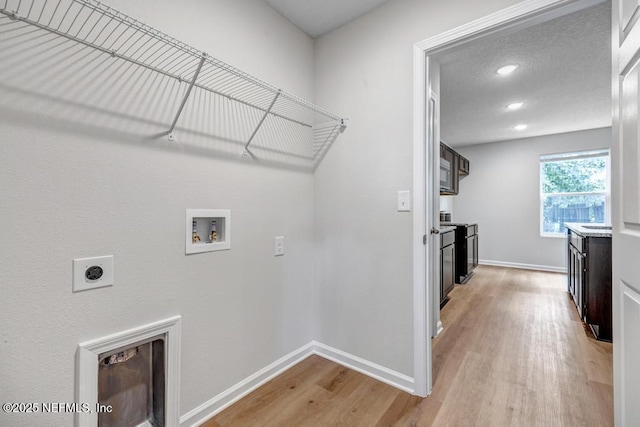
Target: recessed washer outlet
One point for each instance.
(91, 273)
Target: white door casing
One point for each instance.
(422, 251)
(625, 155)
(433, 206)
(524, 13)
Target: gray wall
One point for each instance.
(84, 172)
(364, 253)
(502, 193)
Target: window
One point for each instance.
(574, 187)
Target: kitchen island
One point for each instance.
(589, 275)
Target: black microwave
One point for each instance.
(446, 177)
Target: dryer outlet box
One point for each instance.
(91, 273)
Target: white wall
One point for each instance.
(502, 193)
(85, 172)
(364, 253)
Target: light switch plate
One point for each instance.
(279, 249)
(91, 273)
(404, 201)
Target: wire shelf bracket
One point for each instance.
(270, 118)
(245, 152)
(170, 135)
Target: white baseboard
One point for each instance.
(217, 404)
(439, 328)
(373, 370)
(550, 268)
(208, 409)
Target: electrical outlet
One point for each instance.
(91, 273)
(279, 249)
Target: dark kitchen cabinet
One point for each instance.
(472, 249)
(447, 264)
(589, 278)
(576, 268)
(464, 166)
(466, 251)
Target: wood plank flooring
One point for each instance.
(513, 353)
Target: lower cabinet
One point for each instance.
(576, 268)
(589, 280)
(466, 251)
(447, 265)
(472, 249)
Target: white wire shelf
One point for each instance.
(264, 111)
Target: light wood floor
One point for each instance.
(513, 353)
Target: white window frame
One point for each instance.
(558, 157)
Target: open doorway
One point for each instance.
(426, 175)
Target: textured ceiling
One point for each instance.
(563, 79)
(318, 17)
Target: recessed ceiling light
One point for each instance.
(507, 69)
(515, 106)
(520, 127)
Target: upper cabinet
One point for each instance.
(464, 166)
(458, 167)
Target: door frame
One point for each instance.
(518, 16)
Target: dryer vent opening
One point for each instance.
(131, 381)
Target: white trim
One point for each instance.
(439, 328)
(550, 268)
(218, 403)
(511, 17)
(433, 203)
(506, 18)
(421, 302)
(373, 370)
(575, 155)
(87, 366)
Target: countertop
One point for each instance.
(589, 230)
(456, 224)
(446, 228)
